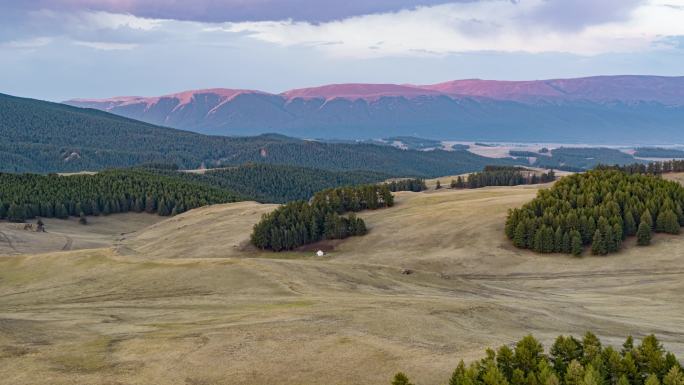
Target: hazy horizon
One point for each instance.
(63, 49)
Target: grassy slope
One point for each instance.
(164, 309)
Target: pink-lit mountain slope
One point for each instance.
(584, 109)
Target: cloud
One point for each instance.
(578, 14)
(234, 10)
(533, 26)
(106, 46)
(28, 43)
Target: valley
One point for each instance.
(187, 300)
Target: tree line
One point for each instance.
(658, 152)
(654, 168)
(271, 183)
(502, 176)
(599, 208)
(299, 223)
(26, 196)
(415, 185)
(570, 361)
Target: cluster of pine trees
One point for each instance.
(598, 208)
(502, 176)
(26, 196)
(299, 223)
(415, 185)
(570, 361)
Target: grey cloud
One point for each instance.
(233, 10)
(578, 14)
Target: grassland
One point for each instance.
(188, 301)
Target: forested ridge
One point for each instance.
(502, 176)
(598, 208)
(26, 196)
(270, 183)
(299, 223)
(48, 137)
(658, 152)
(580, 159)
(570, 361)
(415, 185)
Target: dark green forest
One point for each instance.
(26, 196)
(653, 168)
(580, 159)
(269, 183)
(299, 223)
(502, 176)
(570, 361)
(45, 137)
(599, 208)
(658, 152)
(415, 185)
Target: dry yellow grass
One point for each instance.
(186, 302)
(63, 235)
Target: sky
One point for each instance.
(62, 49)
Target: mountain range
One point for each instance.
(615, 109)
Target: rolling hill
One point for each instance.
(47, 137)
(187, 301)
(596, 109)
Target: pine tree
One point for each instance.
(674, 376)
(644, 234)
(629, 224)
(598, 244)
(493, 376)
(647, 218)
(592, 376)
(438, 185)
(558, 240)
(401, 379)
(519, 235)
(576, 246)
(150, 205)
(652, 380)
(461, 376)
(574, 375)
(670, 222)
(61, 211)
(16, 213)
(566, 246)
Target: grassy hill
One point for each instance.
(46, 137)
(187, 301)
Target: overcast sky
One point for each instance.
(61, 49)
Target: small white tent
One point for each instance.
(320, 253)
